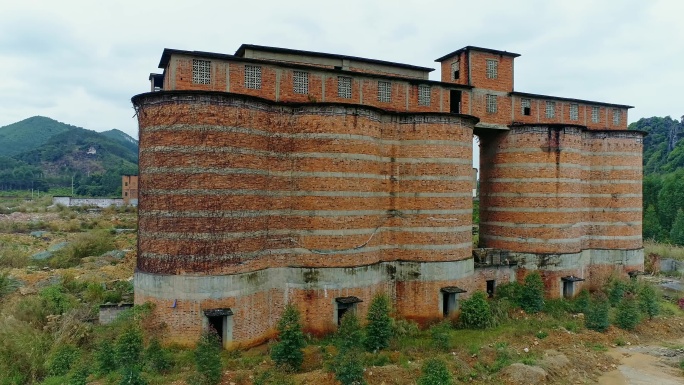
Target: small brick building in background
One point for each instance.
(276, 175)
(129, 189)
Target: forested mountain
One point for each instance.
(663, 188)
(29, 134)
(94, 161)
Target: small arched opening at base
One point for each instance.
(344, 305)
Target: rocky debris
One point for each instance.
(116, 254)
(524, 374)
(555, 363)
(38, 234)
(58, 246)
(41, 256)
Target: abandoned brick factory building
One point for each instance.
(276, 175)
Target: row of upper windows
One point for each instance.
(550, 111)
(201, 74)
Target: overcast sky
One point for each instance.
(80, 62)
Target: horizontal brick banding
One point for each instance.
(568, 190)
(204, 153)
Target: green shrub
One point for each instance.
(7, 284)
(61, 360)
(79, 376)
(532, 294)
(105, 358)
(580, 304)
(287, 352)
(208, 360)
(440, 336)
(157, 358)
(511, 291)
(616, 291)
(500, 308)
(627, 316)
(596, 316)
(404, 328)
(55, 300)
(129, 347)
(649, 301)
(85, 245)
(132, 376)
(348, 368)
(435, 372)
(475, 312)
(349, 335)
(379, 326)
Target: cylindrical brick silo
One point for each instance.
(247, 204)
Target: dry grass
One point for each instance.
(664, 250)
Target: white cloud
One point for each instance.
(81, 61)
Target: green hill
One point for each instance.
(94, 161)
(663, 187)
(29, 134)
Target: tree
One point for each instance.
(129, 347)
(532, 295)
(379, 327)
(627, 316)
(475, 312)
(596, 317)
(208, 359)
(649, 301)
(677, 231)
(651, 225)
(349, 335)
(435, 372)
(287, 352)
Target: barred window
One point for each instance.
(616, 116)
(344, 87)
(550, 110)
(253, 77)
(455, 69)
(574, 111)
(492, 69)
(384, 91)
(595, 114)
(491, 104)
(424, 95)
(301, 82)
(526, 107)
(201, 71)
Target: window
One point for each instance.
(301, 82)
(253, 77)
(201, 71)
(455, 67)
(526, 107)
(344, 87)
(492, 69)
(595, 114)
(574, 111)
(550, 110)
(424, 95)
(384, 91)
(491, 104)
(616, 116)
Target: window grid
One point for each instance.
(424, 95)
(574, 112)
(526, 106)
(455, 68)
(594, 114)
(344, 87)
(384, 91)
(253, 77)
(201, 71)
(550, 110)
(616, 116)
(491, 104)
(301, 82)
(492, 69)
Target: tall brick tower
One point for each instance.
(276, 175)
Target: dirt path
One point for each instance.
(644, 365)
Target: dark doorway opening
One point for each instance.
(455, 102)
(344, 305)
(450, 299)
(491, 286)
(216, 323)
(569, 285)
